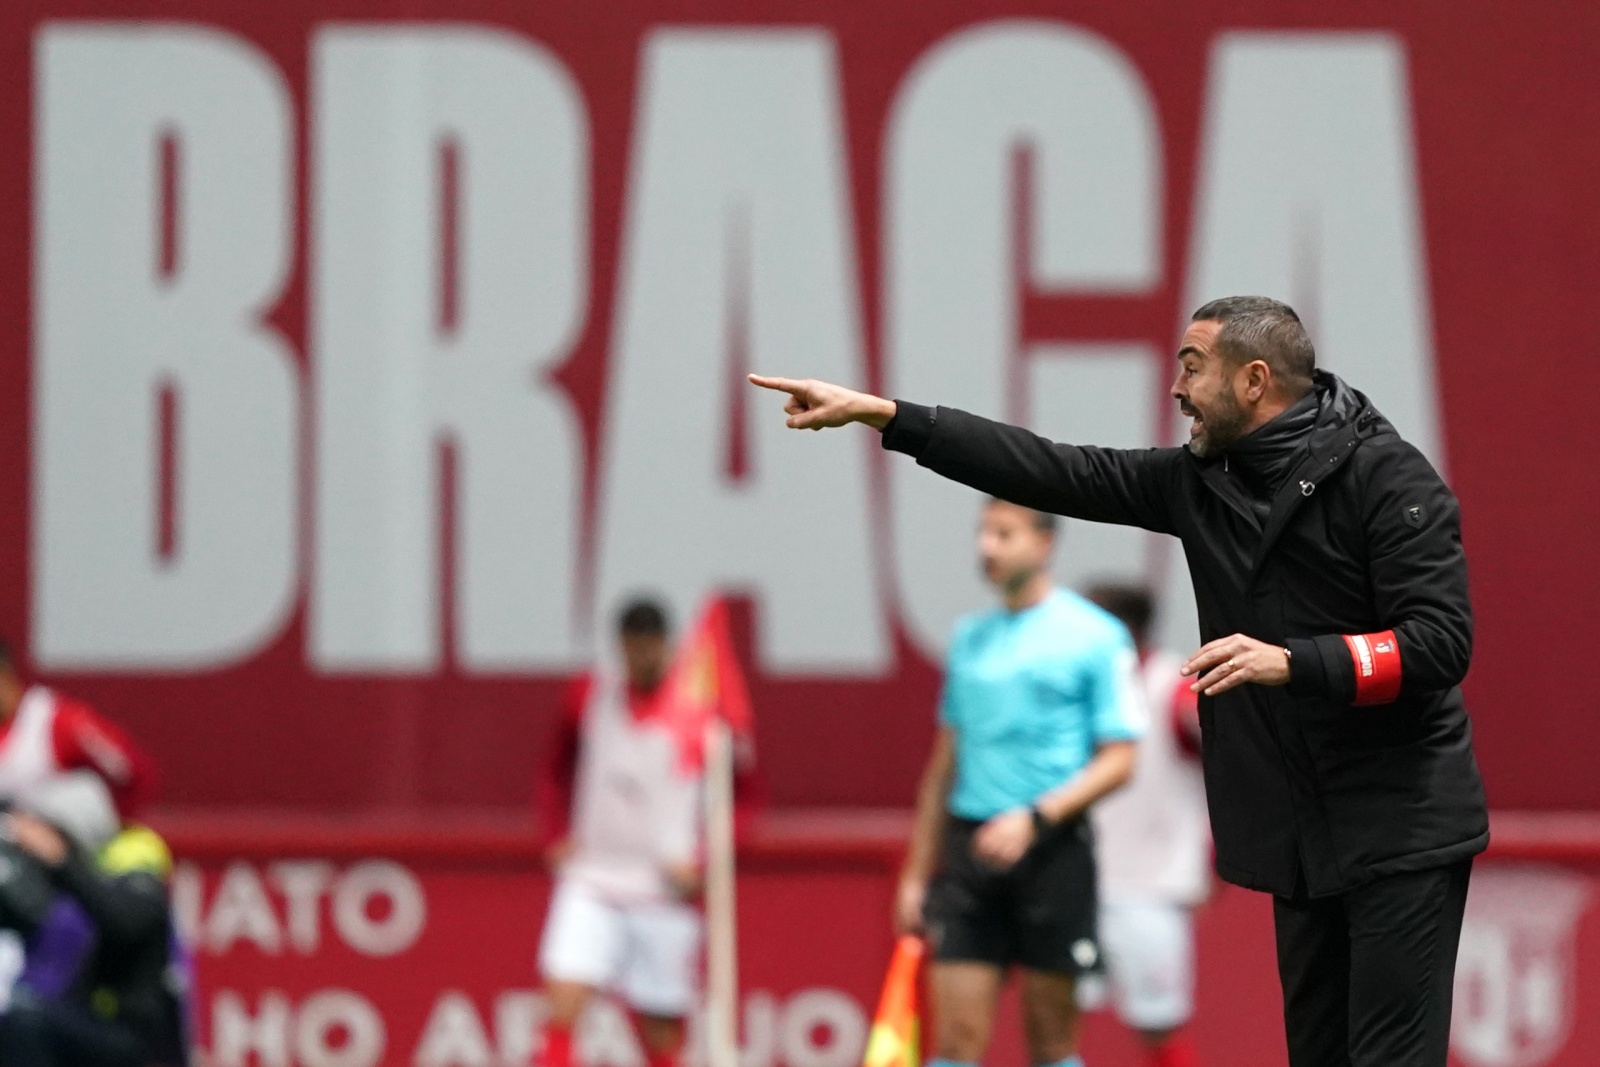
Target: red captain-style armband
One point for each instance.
(1377, 662)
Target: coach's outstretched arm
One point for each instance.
(1132, 487)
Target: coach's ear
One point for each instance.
(1257, 381)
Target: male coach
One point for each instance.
(1328, 569)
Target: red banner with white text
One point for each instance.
(339, 961)
(362, 354)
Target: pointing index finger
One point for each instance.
(784, 385)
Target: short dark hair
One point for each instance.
(1043, 521)
(1131, 604)
(1259, 327)
(643, 617)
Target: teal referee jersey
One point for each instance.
(1030, 695)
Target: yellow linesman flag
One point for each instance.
(895, 1038)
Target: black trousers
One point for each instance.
(46, 1034)
(1367, 976)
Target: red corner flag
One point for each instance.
(704, 683)
(895, 1040)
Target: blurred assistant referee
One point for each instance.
(1039, 718)
(1331, 582)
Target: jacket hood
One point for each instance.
(1343, 410)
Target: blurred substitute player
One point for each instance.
(624, 822)
(1039, 719)
(1153, 844)
(43, 733)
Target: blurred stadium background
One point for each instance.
(363, 352)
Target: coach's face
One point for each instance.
(1207, 391)
(1011, 545)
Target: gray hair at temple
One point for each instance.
(1259, 327)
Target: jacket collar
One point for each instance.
(1345, 419)
(1264, 458)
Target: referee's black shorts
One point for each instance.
(1041, 914)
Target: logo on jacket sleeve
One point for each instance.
(1415, 516)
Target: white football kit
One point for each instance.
(1153, 847)
(51, 734)
(614, 922)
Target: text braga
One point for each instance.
(179, 458)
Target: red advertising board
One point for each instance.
(343, 958)
(362, 354)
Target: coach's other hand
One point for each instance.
(1232, 661)
(815, 405)
(1002, 840)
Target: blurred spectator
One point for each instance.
(43, 733)
(624, 836)
(101, 984)
(78, 804)
(1154, 844)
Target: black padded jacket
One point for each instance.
(1313, 789)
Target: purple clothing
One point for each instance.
(57, 950)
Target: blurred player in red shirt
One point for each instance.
(43, 733)
(623, 822)
(1154, 845)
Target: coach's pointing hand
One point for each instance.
(815, 405)
(1232, 661)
